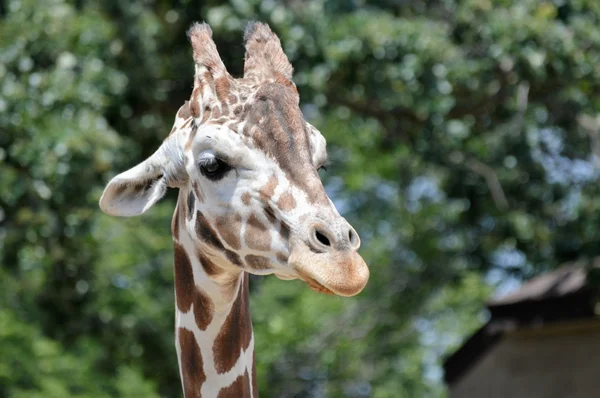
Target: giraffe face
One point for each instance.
(255, 199)
(246, 163)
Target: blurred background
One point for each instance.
(464, 145)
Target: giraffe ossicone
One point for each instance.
(250, 202)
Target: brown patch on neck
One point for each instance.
(203, 309)
(184, 279)
(256, 235)
(192, 366)
(236, 333)
(254, 386)
(239, 389)
(205, 232)
(286, 202)
(209, 267)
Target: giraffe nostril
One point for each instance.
(322, 238)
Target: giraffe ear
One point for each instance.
(264, 55)
(211, 79)
(136, 190)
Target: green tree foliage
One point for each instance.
(464, 147)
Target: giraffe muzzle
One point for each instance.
(329, 270)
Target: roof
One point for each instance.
(560, 282)
(560, 295)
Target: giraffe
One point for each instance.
(250, 202)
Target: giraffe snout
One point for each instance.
(327, 259)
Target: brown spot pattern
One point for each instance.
(282, 257)
(286, 202)
(195, 105)
(190, 205)
(246, 198)
(222, 87)
(234, 258)
(239, 389)
(203, 309)
(266, 192)
(256, 234)
(228, 228)
(236, 332)
(284, 232)
(184, 279)
(210, 268)
(257, 262)
(205, 232)
(192, 366)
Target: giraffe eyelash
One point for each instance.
(213, 168)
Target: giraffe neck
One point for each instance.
(214, 337)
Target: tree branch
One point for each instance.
(491, 179)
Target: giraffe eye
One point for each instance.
(214, 169)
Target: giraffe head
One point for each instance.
(246, 163)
